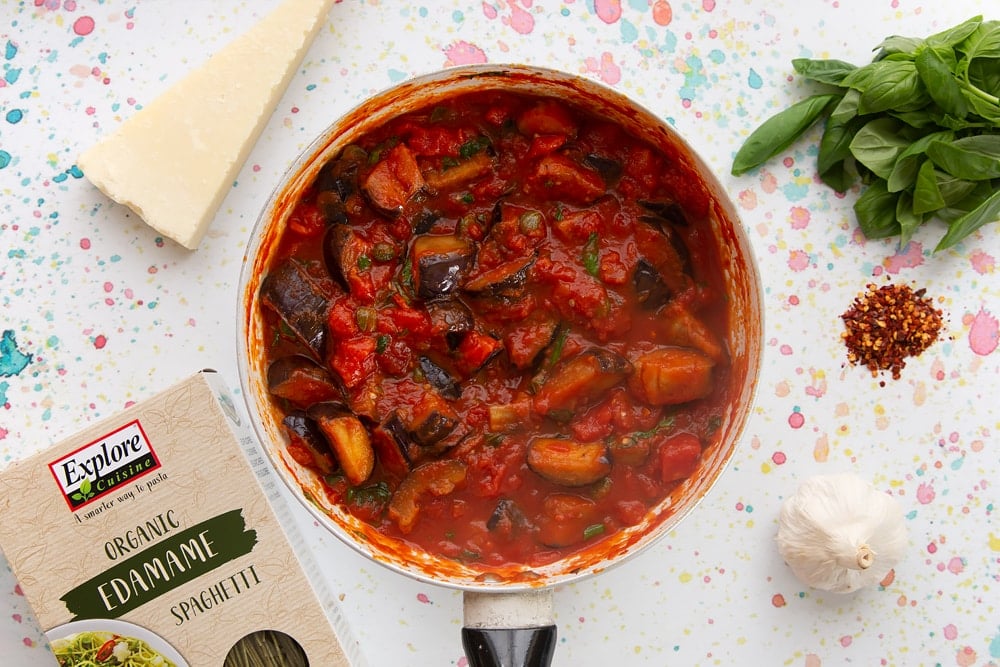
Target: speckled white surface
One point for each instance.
(97, 311)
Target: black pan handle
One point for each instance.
(509, 629)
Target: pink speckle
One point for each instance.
(950, 632)
(768, 183)
(463, 662)
(17, 618)
(708, 5)
(610, 72)
(932, 548)
(663, 13)
(982, 263)
(489, 10)
(846, 641)
(788, 162)
(83, 25)
(778, 600)
(925, 493)
(798, 260)
(100, 341)
(799, 217)
(85, 244)
(812, 660)
(256, 168)
(90, 111)
(966, 657)
(464, 53)
(911, 257)
(793, 300)
(108, 286)
(795, 420)
(785, 350)
(956, 565)
(18, 591)
(69, 5)
(29, 642)
(748, 199)
(779, 457)
(984, 334)
(423, 599)
(608, 11)
(520, 20)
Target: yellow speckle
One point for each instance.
(994, 542)
(821, 452)
(879, 409)
(685, 577)
(896, 483)
(765, 467)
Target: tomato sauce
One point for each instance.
(497, 328)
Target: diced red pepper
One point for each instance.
(544, 144)
(106, 649)
(475, 350)
(306, 220)
(353, 359)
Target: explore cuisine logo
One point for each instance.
(100, 467)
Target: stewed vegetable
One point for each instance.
(505, 336)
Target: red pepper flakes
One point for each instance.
(887, 324)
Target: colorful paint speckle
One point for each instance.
(99, 311)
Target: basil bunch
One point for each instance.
(919, 125)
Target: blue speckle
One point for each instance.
(911, 515)
(4, 386)
(564, 11)
(457, 16)
(76, 41)
(395, 75)
(116, 258)
(12, 360)
(10, 51)
(4, 159)
(12, 74)
(103, 57)
(14, 116)
(754, 80)
(75, 172)
(794, 192)
(423, 12)
(717, 56)
(957, 463)
(629, 31)
(59, 178)
(311, 86)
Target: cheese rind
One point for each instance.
(173, 161)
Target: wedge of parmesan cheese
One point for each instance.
(173, 161)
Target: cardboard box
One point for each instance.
(152, 525)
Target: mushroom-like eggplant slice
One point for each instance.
(433, 420)
(440, 263)
(340, 175)
(342, 248)
(527, 340)
(506, 519)
(394, 180)
(391, 442)
(302, 381)
(671, 375)
(667, 210)
(440, 378)
(306, 442)
(436, 478)
(450, 319)
(650, 290)
(506, 281)
(579, 381)
(348, 438)
(568, 462)
(610, 170)
(300, 303)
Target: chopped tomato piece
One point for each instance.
(559, 177)
(354, 359)
(394, 180)
(546, 117)
(306, 220)
(678, 457)
(475, 351)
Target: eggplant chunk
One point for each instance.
(391, 442)
(527, 341)
(394, 180)
(568, 462)
(342, 248)
(439, 264)
(464, 172)
(436, 478)
(302, 381)
(650, 290)
(610, 170)
(671, 375)
(450, 319)
(507, 280)
(666, 210)
(433, 420)
(348, 438)
(559, 177)
(679, 254)
(306, 442)
(565, 519)
(439, 378)
(299, 302)
(507, 518)
(340, 175)
(579, 381)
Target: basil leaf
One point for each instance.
(779, 132)
(975, 158)
(876, 212)
(898, 45)
(985, 109)
(834, 152)
(824, 71)
(862, 77)
(904, 172)
(985, 213)
(955, 34)
(895, 85)
(878, 144)
(954, 190)
(942, 86)
(984, 42)
(847, 108)
(920, 119)
(927, 195)
(907, 219)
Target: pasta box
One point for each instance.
(156, 537)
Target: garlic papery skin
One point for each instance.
(837, 533)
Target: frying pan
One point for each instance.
(508, 610)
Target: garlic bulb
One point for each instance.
(839, 534)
